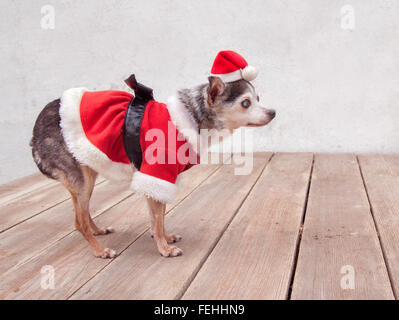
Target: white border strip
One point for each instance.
(184, 122)
(78, 144)
(229, 77)
(152, 187)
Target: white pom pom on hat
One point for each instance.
(249, 73)
(230, 66)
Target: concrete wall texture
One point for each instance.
(329, 67)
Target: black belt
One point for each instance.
(133, 119)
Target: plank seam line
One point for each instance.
(384, 256)
(36, 214)
(213, 246)
(300, 232)
(142, 233)
(66, 235)
(21, 194)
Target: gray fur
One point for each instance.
(53, 159)
(235, 89)
(49, 150)
(195, 100)
(213, 106)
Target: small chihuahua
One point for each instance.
(135, 138)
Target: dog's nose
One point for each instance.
(271, 113)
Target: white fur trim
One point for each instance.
(78, 144)
(187, 126)
(184, 122)
(152, 187)
(249, 73)
(229, 77)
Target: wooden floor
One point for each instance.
(299, 226)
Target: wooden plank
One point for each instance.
(29, 196)
(27, 239)
(339, 236)
(259, 245)
(22, 186)
(381, 176)
(31, 204)
(72, 258)
(140, 272)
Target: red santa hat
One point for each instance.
(230, 66)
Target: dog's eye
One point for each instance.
(257, 98)
(246, 103)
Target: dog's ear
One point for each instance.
(216, 88)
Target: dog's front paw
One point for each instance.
(107, 253)
(171, 251)
(173, 238)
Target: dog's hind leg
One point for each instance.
(53, 159)
(83, 222)
(91, 176)
(157, 211)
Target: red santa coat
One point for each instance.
(92, 126)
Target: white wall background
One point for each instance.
(335, 90)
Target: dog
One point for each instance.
(64, 152)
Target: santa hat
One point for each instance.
(230, 66)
